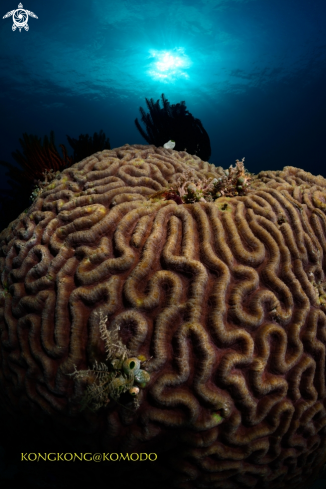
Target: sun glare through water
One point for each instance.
(169, 65)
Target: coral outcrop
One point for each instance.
(174, 122)
(224, 300)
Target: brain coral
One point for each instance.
(226, 299)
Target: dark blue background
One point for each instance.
(254, 73)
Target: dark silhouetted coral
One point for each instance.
(87, 145)
(38, 159)
(174, 122)
(35, 159)
(38, 156)
(226, 301)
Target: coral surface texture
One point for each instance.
(220, 303)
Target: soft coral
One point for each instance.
(189, 188)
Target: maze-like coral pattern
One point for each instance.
(228, 298)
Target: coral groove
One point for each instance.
(226, 298)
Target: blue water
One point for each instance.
(252, 71)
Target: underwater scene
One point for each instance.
(163, 244)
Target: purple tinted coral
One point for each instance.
(215, 316)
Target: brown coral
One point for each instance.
(227, 297)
